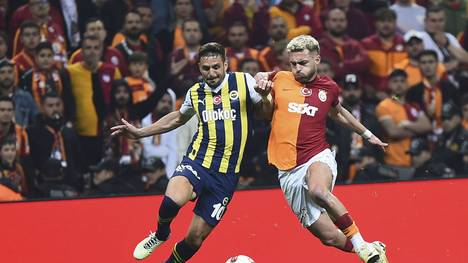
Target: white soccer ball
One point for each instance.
(240, 259)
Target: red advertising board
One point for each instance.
(419, 221)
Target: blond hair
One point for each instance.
(303, 42)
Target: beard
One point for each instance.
(351, 100)
(337, 33)
(56, 121)
(134, 33)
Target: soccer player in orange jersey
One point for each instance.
(298, 148)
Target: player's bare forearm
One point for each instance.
(167, 123)
(346, 119)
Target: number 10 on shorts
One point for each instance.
(219, 209)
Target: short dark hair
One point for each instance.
(92, 20)
(138, 57)
(50, 94)
(428, 52)
(190, 20)
(133, 11)
(44, 45)
(238, 23)
(8, 140)
(385, 13)
(212, 49)
(398, 73)
(433, 9)
(29, 24)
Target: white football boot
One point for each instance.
(147, 246)
(368, 253)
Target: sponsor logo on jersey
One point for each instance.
(219, 114)
(302, 108)
(182, 167)
(306, 92)
(322, 95)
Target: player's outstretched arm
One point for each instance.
(345, 118)
(167, 123)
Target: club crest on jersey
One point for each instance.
(306, 92)
(217, 100)
(322, 95)
(234, 95)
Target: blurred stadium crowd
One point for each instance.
(71, 69)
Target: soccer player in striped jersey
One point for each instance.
(224, 104)
(298, 148)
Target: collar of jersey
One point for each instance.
(220, 86)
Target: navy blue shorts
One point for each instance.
(214, 190)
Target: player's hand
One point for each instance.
(126, 129)
(263, 86)
(376, 141)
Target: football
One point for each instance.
(240, 259)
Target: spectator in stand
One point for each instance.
(401, 121)
(448, 150)
(162, 146)
(141, 86)
(414, 46)
(278, 32)
(52, 183)
(410, 15)
(184, 60)
(301, 19)
(10, 167)
(110, 55)
(122, 106)
(249, 65)
(183, 10)
(432, 92)
(9, 130)
(425, 164)
(446, 46)
(122, 35)
(344, 53)
(325, 69)
(45, 77)
(30, 36)
(107, 180)
(3, 15)
(359, 28)
(50, 138)
(456, 15)
(153, 178)
(132, 30)
(238, 37)
(144, 9)
(31, 11)
(346, 142)
(91, 82)
(51, 29)
(385, 48)
(25, 107)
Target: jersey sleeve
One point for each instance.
(254, 96)
(187, 106)
(336, 95)
(382, 111)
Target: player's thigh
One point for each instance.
(319, 175)
(323, 228)
(179, 189)
(198, 231)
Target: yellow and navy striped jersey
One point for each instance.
(224, 123)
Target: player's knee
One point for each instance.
(319, 194)
(195, 240)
